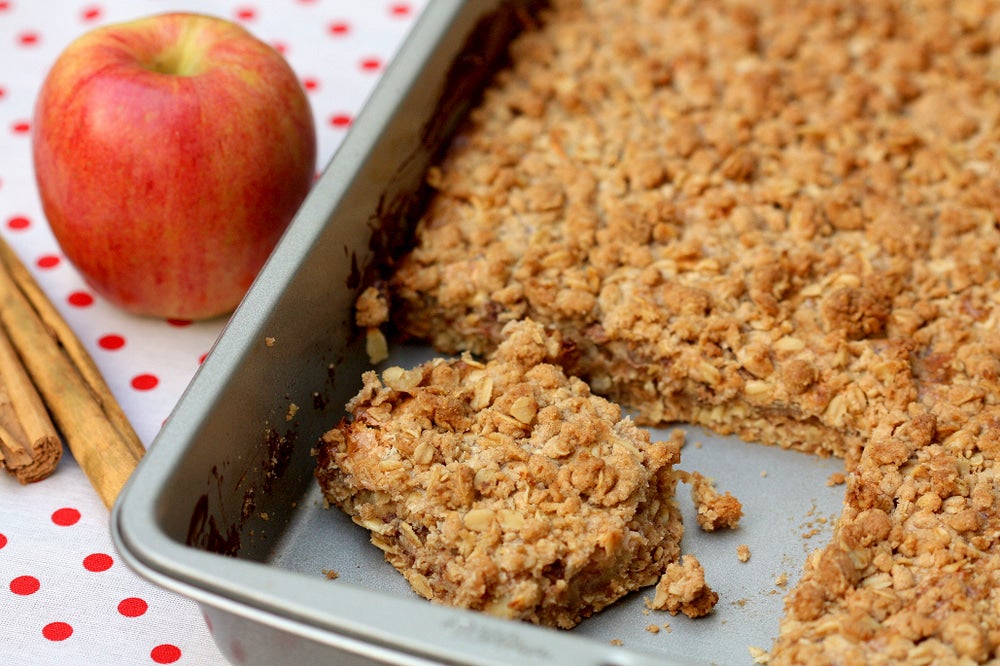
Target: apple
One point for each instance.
(170, 154)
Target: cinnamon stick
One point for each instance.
(30, 447)
(100, 437)
(72, 346)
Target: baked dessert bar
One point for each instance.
(505, 486)
(778, 220)
(911, 573)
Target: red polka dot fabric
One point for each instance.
(67, 597)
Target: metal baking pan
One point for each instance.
(225, 509)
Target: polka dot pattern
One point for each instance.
(24, 585)
(75, 600)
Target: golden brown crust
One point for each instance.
(778, 222)
(505, 486)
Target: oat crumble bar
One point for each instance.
(505, 486)
(778, 220)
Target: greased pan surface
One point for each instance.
(224, 507)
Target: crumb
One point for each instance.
(617, 642)
(264, 516)
(330, 574)
(743, 552)
(292, 411)
(371, 309)
(683, 589)
(653, 629)
(269, 341)
(836, 479)
(715, 511)
(782, 580)
(376, 346)
(763, 474)
(760, 656)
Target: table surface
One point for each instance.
(66, 596)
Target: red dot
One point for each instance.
(111, 342)
(80, 299)
(3, 91)
(65, 516)
(339, 28)
(21, 127)
(144, 382)
(48, 261)
(399, 9)
(201, 359)
(29, 38)
(91, 13)
(18, 222)
(165, 654)
(310, 84)
(3, 540)
(97, 562)
(24, 585)
(4, 5)
(57, 631)
(132, 607)
(246, 13)
(341, 120)
(371, 64)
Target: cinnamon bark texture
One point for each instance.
(68, 384)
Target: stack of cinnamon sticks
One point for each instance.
(51, 391)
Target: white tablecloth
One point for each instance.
(66, 597)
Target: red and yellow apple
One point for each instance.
(170, 153)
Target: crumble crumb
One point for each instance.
(715, 510)
(743, 552)
(683, 589)
(376, 346)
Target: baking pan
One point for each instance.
(224, 508)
